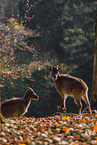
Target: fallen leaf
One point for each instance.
(65, 118)
(95, 128)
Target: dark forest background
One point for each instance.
(36, 34)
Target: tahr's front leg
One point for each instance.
(63, 108)
(64, 103)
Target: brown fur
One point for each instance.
(16, 107)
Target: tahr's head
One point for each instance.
(31, 94)
(55, 71)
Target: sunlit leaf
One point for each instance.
(25, 141)
(8, 72)
(12, 58)
(15, 40)
(68, 131)
(58, 119)
(15, 23)
(76, 136)
(29, 121)
(11, 53)
(65, 118)
(95, 128)
(7, 137)
(18, 15)
(26, 131)
(83, 120)
(64, 129)
(1, 85)
(60, 124)
(58, 129)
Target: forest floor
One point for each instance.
(58, 129)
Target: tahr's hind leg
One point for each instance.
(85, 98)
(78, 102)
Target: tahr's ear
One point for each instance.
(58, 68)
(28, 88)
(49, 68)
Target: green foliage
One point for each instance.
(78, 28)
(73, 38)
(13, 36)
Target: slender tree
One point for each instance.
(94, 85)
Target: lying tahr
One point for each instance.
(16, 107)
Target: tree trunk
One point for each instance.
(94, 85)
(0, 106)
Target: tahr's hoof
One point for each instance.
(60, 109)
(63, 110)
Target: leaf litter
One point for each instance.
(58, 129)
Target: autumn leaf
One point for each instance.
(95, 128)
(95, 137)
(12, 58)
(1, 85)
(78, 142)
(76, 136)
(48, 130)
(65, 118)
(11, 53)
(65, 129)
(58, 129)
(84, 114)
(60, 124)
(83, 120)
(25, 141)
(7, 137)
(58, 119)
(26, 131)
(29, 121)
(18, 15)
(15, 40)
(41, 128)
(15, 23)
(8, 72)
